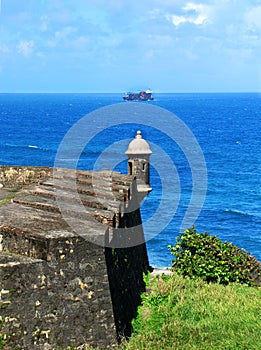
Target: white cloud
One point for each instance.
(25, 47)
(64, 36)
(43, 24)
(198, 15)
(166, 33)
(65, 33)
(253, 17)
(194, 7)
(176, 20)
(154, 13)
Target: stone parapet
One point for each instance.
(59, 288)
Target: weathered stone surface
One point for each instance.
(16, 176)
(58, 287)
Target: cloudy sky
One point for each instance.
(122, 45)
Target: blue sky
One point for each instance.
(119, 45)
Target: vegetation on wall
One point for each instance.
(2, 335)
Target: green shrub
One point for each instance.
(207, 257)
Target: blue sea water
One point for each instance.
(226, 126)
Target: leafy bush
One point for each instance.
(207, 257)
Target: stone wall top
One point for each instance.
(29, 209)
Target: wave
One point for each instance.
(242, 213)
(10, 145)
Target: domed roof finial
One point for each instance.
(138, 146)
(138, 136)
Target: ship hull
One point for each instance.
(141, 96)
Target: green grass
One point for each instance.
(8, 198)
(180, 313)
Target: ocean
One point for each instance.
(226, 127)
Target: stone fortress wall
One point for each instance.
(59, 288)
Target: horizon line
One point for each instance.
(120, 92)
